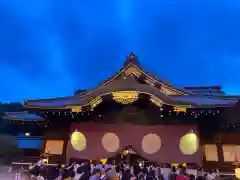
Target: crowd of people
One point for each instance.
(89, 171)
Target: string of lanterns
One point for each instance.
(229, 126)
(163, 113)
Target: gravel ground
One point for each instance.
(5, 175)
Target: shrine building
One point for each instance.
(161, 122)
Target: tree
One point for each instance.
(9, 150)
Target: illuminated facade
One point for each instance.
(134, 108)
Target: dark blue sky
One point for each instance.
(51, 47)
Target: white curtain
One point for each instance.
(211, 152)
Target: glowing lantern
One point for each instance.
(151, 143)
(176, 165)
(45, 161)
(103, 161)
(78, 141)
(110, 142)
(237, 173)
(189, 144)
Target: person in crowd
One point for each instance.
(174, 174)
(88, 171)
(167, 171)
(211, 175)
(96, 175)
(200, 174)
(141, 175)
(182, 174)
(126, 175)
(157, 171)
(150, 175)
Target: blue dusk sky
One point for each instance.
(49, 48)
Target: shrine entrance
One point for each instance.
(127, 156)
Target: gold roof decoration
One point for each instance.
(158, 102)
(96, 102)
(75, 109)
(168, 91)
(125, 87)
(150, 82)
(180, 108)
(132, 70)
(125, 97)
(133, 67)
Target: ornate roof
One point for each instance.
(22, 116)
(132, 67)
(132, 78)
(206, 90)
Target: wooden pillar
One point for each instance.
(220, 152)
(218, 141)
(64, 153)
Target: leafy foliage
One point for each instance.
(9, 149)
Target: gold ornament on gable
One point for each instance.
(132, 70)
(150, 82)
(158, 102)
(168, 91)
(125, 97)
(95, 102)
(76, 108)
(180, 108)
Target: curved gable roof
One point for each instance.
(23, 116)
(126, 80)
(133, 63)
(126, 83)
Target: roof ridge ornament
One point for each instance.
(131, 59)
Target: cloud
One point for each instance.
(50, 48)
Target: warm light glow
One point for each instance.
(27, 134)
(75, 108)
(210, 151)
(95, 102)
(237, 173)
(45, 161)
(78, 141)
(54, 147)
(180, 109)
(151, 143)
(189, 144)
(158, 102)
(229, 152)
(110, 142)
(176, 165)
(103, 161)
(125, 97)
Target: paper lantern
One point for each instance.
(237, 173)
(110, 142)
(151, 143)
(189, 144)
(78, 141)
